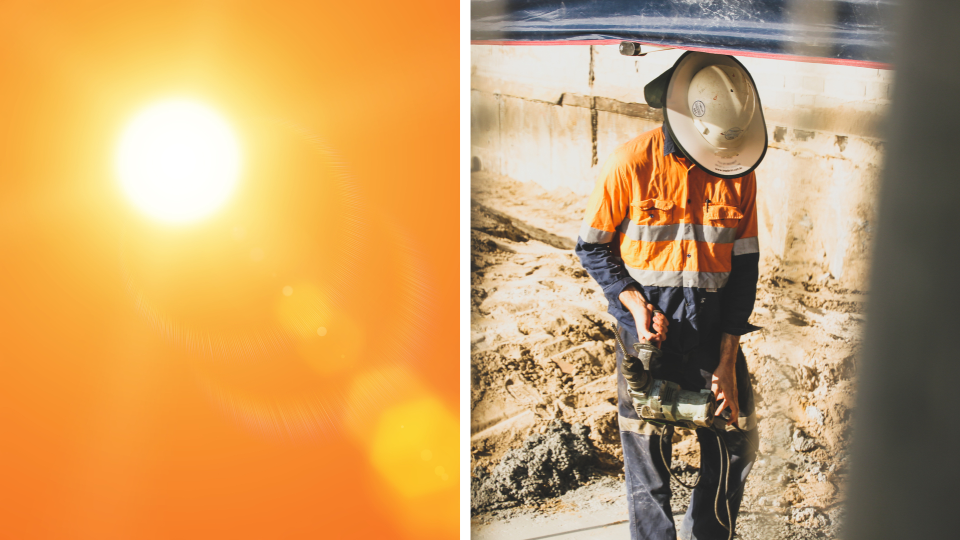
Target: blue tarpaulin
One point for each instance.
(854, 32)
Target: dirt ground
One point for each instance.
(542, 350)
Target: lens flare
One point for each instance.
(178, 161)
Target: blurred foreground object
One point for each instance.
(904, 457)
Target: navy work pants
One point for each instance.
(647, 477)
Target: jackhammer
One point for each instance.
(659, 401)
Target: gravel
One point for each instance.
(547, 465)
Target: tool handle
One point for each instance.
(655, 311)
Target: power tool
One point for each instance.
(663, 402)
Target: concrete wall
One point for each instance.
(551, 115)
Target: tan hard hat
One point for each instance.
(712, 110)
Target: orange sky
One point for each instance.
(154, 380)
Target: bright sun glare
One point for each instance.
(178, 161)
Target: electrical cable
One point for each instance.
(725, 473)
(724, 487)
(716, 501)
(756, 449)
(663, 432)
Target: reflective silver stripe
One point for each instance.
(746, 245)
(653, 233)
(702, 280)
(713, 235)
(594, 236)
(680, 231)
(635, 425)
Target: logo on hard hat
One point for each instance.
(733, 104)
(699, 108)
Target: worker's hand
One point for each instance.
(650, 327)
(724, 385)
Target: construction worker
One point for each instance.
(670, 234)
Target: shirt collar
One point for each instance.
(669, 147)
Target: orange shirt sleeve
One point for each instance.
(609, 203)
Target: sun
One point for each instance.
(178, 161)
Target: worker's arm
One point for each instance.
(724, 384)
(740, 293)
(599, 254)
(650, 326)
(737, 299)
(606, 267)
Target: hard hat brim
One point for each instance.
(732, 163)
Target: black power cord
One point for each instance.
(663, 433)
(724, 472)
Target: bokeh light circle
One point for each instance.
(178, 161)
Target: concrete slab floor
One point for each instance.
(595, 510)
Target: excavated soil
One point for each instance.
(542, 351)
(548, 464)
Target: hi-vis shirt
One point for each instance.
(686, 238)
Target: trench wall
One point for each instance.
(551, 115)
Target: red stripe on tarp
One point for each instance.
(748, 54)
(574, 42)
